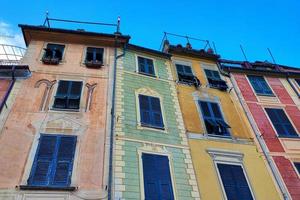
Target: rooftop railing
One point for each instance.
(10, 54)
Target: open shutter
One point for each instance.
(157, 119)
(74, 94)
(157, 178)
(43, 162)
(61, 95)
(145, 109)
(64, 161)
(234, 182)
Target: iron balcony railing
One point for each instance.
(10, 54)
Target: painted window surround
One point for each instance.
(158, 151)
(149, 92)
(83, 55)
(33, 151)
(259, 95)
(231, 158)
(213, 99)
(148, 57)
(63, 60)
(52, 97)
(182, 62)
(278, 107)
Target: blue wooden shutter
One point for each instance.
(157, 177)
(255, 84)
(157, 119)
(43, 162)
(145, 113)
(61, 95)
(74, 94)
(297, 165)
(150, 66)
(64, 161)
(260, 85)
(234, 182)
(281, 122)
(141, 64)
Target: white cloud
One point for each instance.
(9, 36)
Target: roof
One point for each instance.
(43, 29)
(150, 51)
(259, 67)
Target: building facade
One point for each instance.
(269, 94)
(227, 163)
(54, 140)
(152, 158)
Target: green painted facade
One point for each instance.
(132, 138)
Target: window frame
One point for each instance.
(261, 94)
(274, 129)
(32, 158)
(229, 157)
(84, 56)
(185, 63)
(295, 167)
(211, 85)
(201, 117)
(52, 99)
(56, 43)
(149, 92)
(141, 171)
(137, 69)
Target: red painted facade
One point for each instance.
(284, 165)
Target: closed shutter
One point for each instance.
(41, 169)
(297, 165)
(234, 182)
(281, 122)
(142, 65)
(254, 80)
(157, 119)
(61, 95)
(145, 109)
(150, 66)
(260, 85)
(157, 178)
(64, 160)
(74, 94)
(146, 65)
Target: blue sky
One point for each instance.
(256, 24)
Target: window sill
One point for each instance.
(47, 188)
(65, 110)
(288, 136)
(266, 95)
(150, 128)
(220, 136)
(145, 74)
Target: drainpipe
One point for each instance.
(11, 85)
(111, 148)
(262, 144)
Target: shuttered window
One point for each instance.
(234, 182)
(185, 73)
(54, 51)
(53, 161)
(281, 122)
(213, 118)
(214, 79)
(150, 112)
(260, 85)
(146, 66)
(68, 95)
(157, 177)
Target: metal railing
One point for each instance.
(10, 54)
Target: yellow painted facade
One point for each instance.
(261, 183)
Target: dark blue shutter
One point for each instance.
(297, 165)
(281, 122)
(157, 119)
(260, 85)
(61, 95)
(234, 182)
(145, 109)
(74, 94)
(142, 65)
(157, 177)
(150, 66)
(43, 162)
(64, 161)
(146, 66)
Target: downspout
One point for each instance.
(262, 144)
(111, 148)
(11, 85)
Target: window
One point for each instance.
(94, 57)
(185, 75)
(146, 66)
(260, 85)
(157, 177)
(234, 182)
(297, 165)
(213, 119)
(298, 82)
(68, 95)
(214, 79)
(53, 161)
(53, 54)
(281, 122)
(150, 112)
